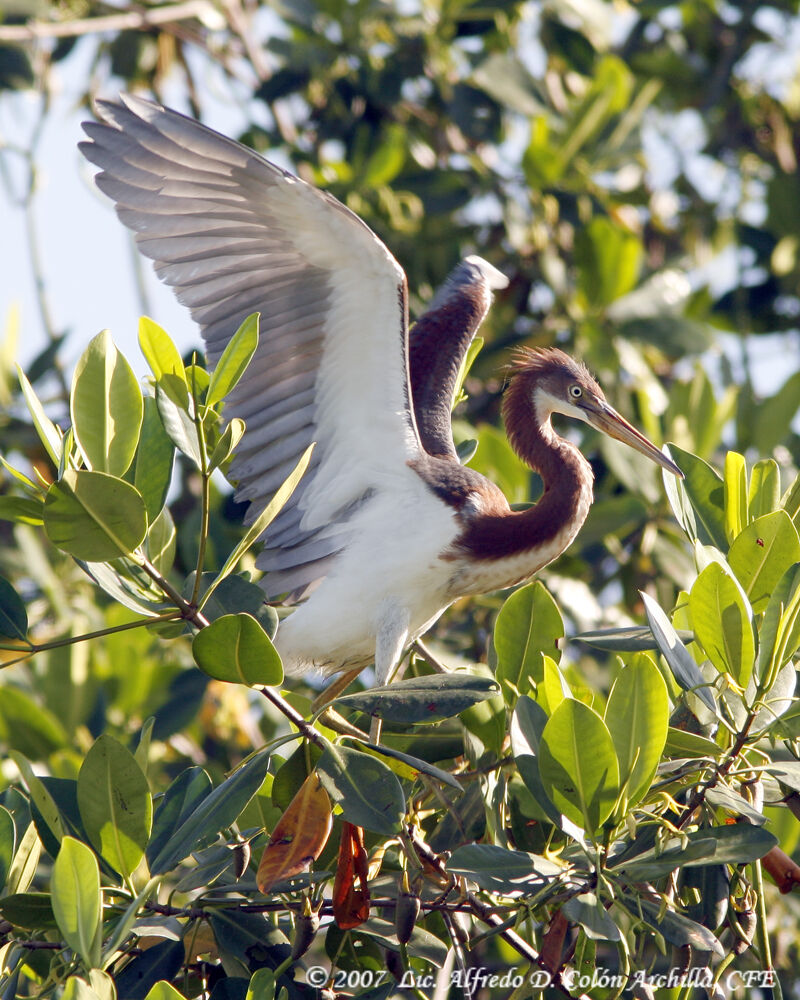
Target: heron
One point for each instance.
(387, 528)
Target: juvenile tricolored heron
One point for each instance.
(387, 528)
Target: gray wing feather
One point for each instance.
(233, 234)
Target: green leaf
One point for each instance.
(161, 541)
(780, 628)
(40, 797)
(366, 789)
(774, 415)
(50, 436)
(13, 616)
(262, 985)
(608, 258)
(528, 625)
(497, 869)
(216, 811)
(527, 726)
(722, 623)
(164, 991)
(762, 553)
(77, 900)
(627, 639)
(415, 764)
(26, 861)
(29, 910)
(115, 804)
(21, 510)
(230, 438)
(78, 989)
(587, 910)
(163, 961)
(106, 407)
(684, 669)
(159, 351)
(735, 494)
(262, 522)
(154, 458)
(765, 488)
(180, 800)
(94, 516)
(235, 595)
(28, 727)
(177, 419)
(422, 699)
(578, 764)
(7, 844)
(706, 492)
(637, 716)
(234, 360)
(236, 648)
(676, 929)
(738, 844)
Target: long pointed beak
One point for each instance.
(606, 419)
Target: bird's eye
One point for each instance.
(575, 391)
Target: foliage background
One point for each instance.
(631, 168)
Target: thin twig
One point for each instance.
(126, 21)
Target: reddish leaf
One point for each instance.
(351, 904)
(299, 835)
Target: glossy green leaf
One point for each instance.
(159, 350)
(234, 360)
(28, 727)
(680, 661)
(416, 766)
(154, 458)
(684, 744)
(578, 764)
(422, 699)
(677, 929)
(779, 635)
(215, 811)
(228, 441)
(637, 716)
(722, 623)
(588, 911)
(765, 488)
(41, 799)
(7, 843)
(94, 516)
(106, 407)
(626, 639)
(77, 900)
(179, 801)
(235, 595)
(262, 985)
(13, 616)
(161, 541)
(527, 726)
(164, 991)
(762, 553)
(735, 494)
(115, 804)
(26, 861)
(262, 522)
(367, 791)
(528, 625)
(553, 687)
(236, 648)
(497, 869)
(706, 491)
(177, 418)
(50, 436)
(28, 910)
(738, 844)
(76, 988)
(21, 510)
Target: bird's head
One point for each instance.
(553, 382)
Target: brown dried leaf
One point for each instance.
(351, 904)
(299, 835)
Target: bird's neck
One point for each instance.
(534, 537)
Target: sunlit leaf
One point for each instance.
(77, 900)
(106, 407)
(159, 350)
(233, 361)
(578, 764)
(735, 494)
(588, 911)
(762, 553)
(706, 491)
(115, 804)
(722, 622)
(680, 660)
(422, 699)
(528, 625)
(236, 648)
(154, 458)
(94, 516)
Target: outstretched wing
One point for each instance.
(233, 234)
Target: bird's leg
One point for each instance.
(390, 642)
(424, 653)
